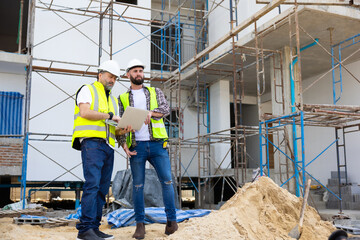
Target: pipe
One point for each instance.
(292, 87)
(21, 13)
(24, 170)
(292, 84)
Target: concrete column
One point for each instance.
(281, 105)
(220, 120)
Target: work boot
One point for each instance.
(103, 235)
(171, 227)
(139, 231)
(88, 235)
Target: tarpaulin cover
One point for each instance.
(122, 189)
(126, 217)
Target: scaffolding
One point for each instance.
(175, 77)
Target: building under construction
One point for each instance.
(255, 87)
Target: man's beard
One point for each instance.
(109, 87)
(137, 81)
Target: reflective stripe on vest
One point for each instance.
(89, 128)
(157, 126)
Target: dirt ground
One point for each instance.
(10, 231)
(258, 211)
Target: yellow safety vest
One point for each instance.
(157, 126)
(90, 128)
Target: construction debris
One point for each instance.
(29, 220)
(348, 225)
(18, 213)
(44, 221)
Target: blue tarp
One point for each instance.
(126, 217)
(32, 216)
(75, 215)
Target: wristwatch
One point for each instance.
(111, 115)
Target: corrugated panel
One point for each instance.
(11, 104)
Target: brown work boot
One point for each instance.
(171, 227)
(139, 231)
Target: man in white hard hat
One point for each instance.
(96, 139)
(149, 143)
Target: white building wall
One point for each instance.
(318, 138)
(13, 72)
(72, 46)
(11, 82)
(219, 20)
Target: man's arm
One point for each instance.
(86, 112)
(162, 110)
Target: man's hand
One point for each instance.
(116, 118)
(122, 131)
(148, 117)
(128, 152)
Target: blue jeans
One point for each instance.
(97, 159)
(158, 156)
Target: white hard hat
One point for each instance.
(110, 66)
(134, 63)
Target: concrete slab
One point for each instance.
(315, 20)
(13, 62)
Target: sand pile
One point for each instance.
(259, 210)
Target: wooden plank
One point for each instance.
(270, 6)
(17, 213)
(57, 222)
(312, 2)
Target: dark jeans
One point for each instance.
(97, 159)
(158, 156)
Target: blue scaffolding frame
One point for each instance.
(336, 62)
(296, 120)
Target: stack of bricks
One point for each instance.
(350, 193)
(11, 153)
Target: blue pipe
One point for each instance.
(267, 149)
(24, 170)
(260, 144)
(333, 65)
(303, 150)
(292, 84)
(333, 75)
(292, 87)
(179, 40)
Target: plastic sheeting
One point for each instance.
(126, 217)
(122, 189)
(10, 113)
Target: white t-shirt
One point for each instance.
(140, 102)
(84, 96)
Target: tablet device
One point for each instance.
(135, 117)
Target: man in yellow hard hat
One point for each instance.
(94, 106)
(148, 143)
